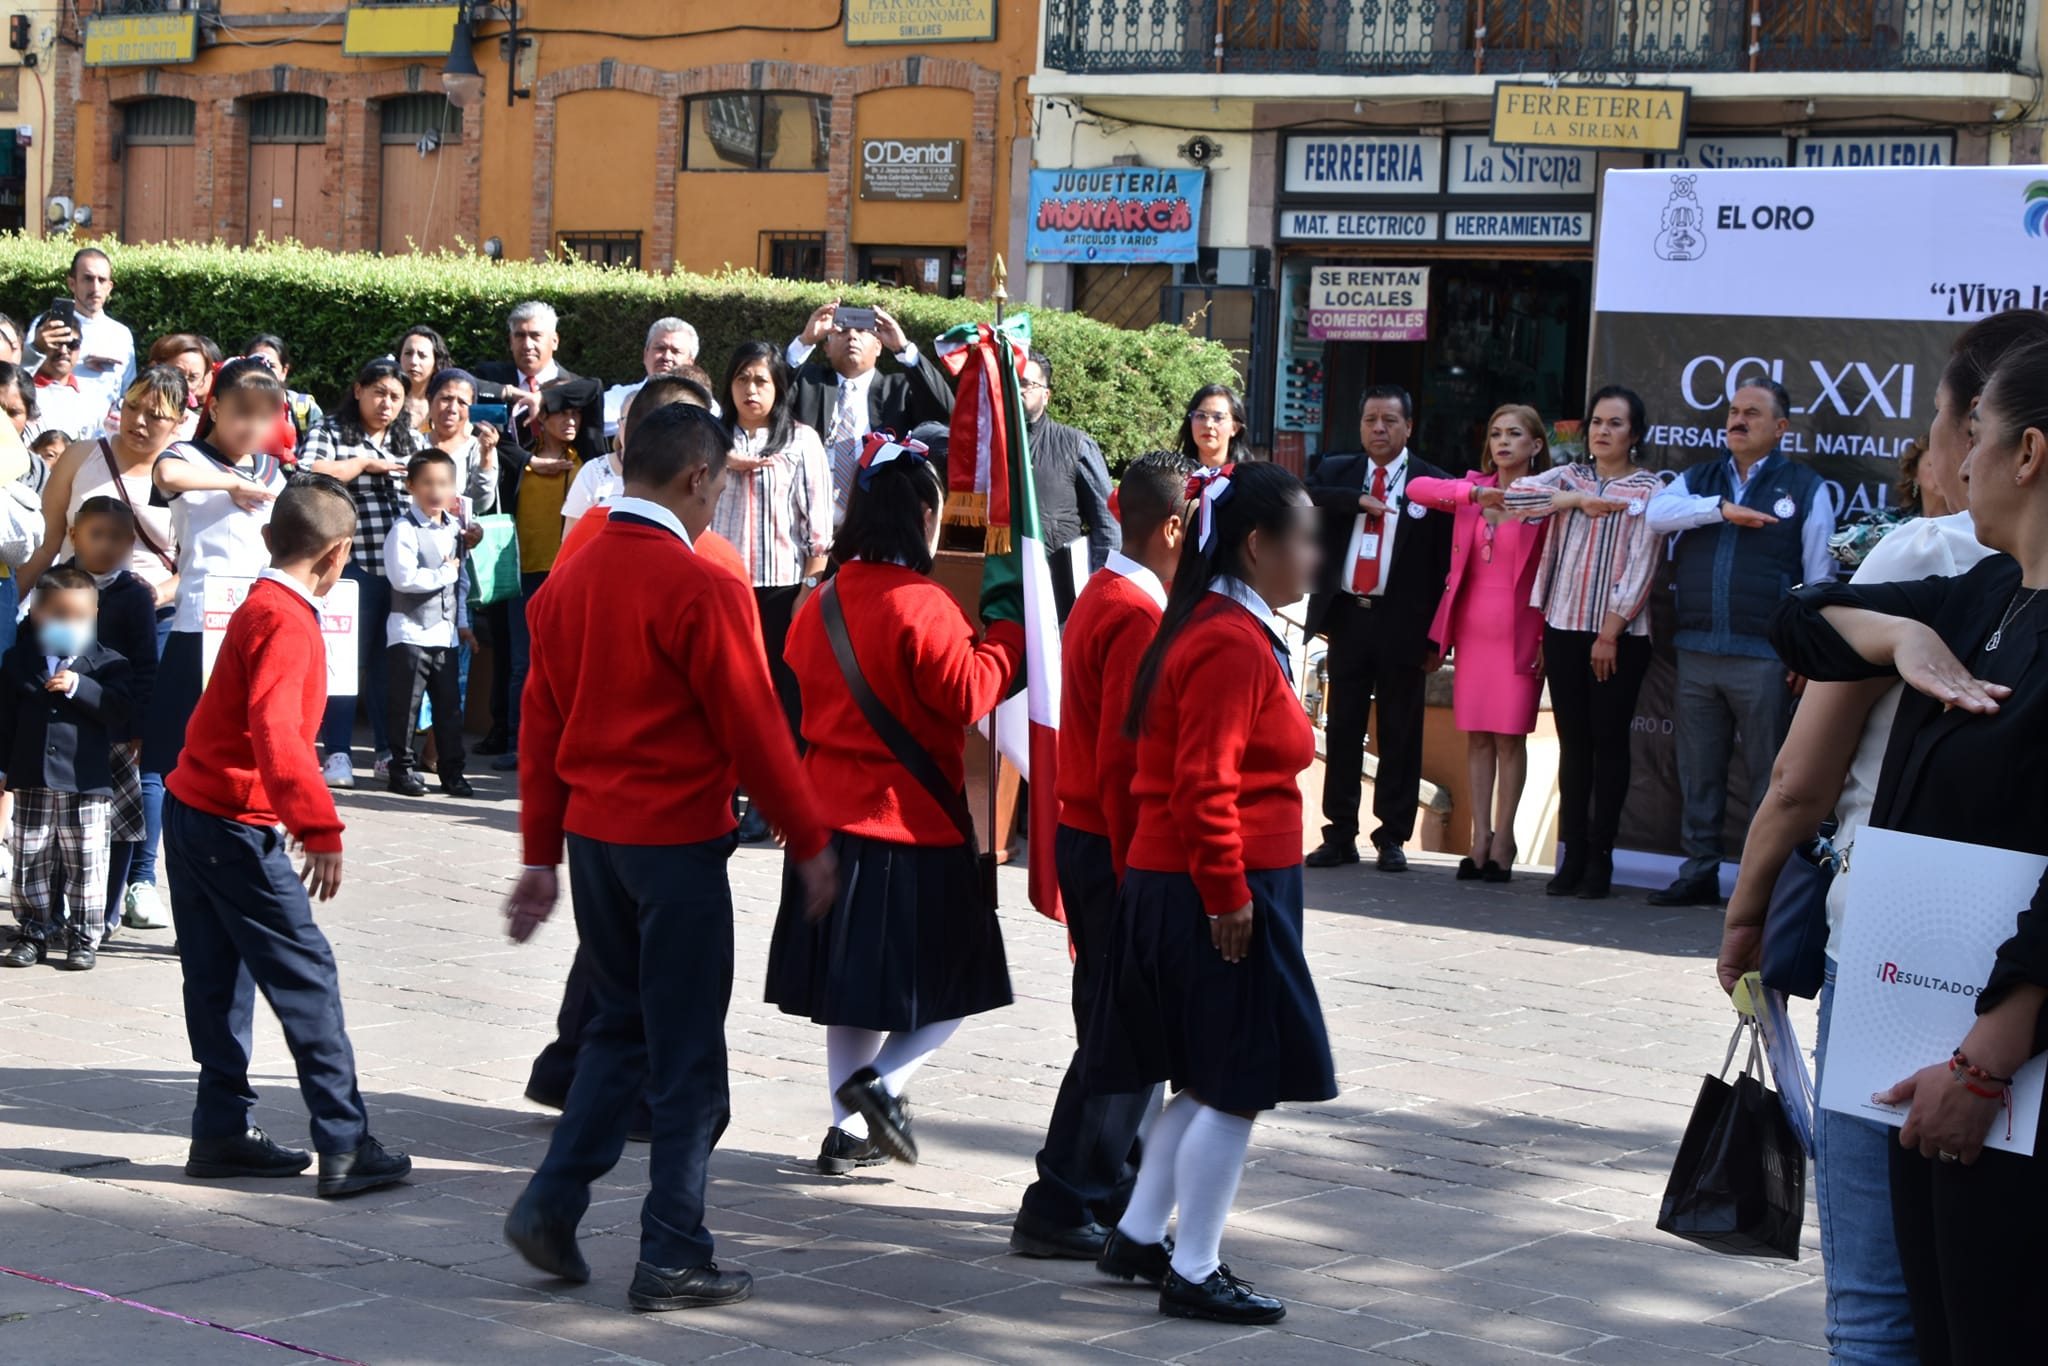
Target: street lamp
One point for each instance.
(460, 78)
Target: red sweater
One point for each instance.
(918, 652)
(1107, 633)
(709, 544)
(647, 699)
(1219, 764)
(249, 746)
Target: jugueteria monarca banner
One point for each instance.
(1846, 286)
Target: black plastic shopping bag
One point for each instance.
(1739, 1184)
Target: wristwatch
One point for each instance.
(811, 580)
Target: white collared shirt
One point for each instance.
(799, 351)
(1120, 563)
(655, 513)
(547, 375)
(53, 665)
(1397, 484)
(99, 335)
(299, 588)
(1242, 593)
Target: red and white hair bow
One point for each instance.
(1207, 487)
(882, 447)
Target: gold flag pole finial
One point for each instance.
(1002, 279)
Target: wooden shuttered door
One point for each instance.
(422, 137)
(157, 199)
(287, 157)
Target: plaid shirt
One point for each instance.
(1593, 565)
(780, 516)
(380, 499)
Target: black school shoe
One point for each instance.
(658, 1289)
(547, 1244)
(1392, 860)
(253, 1153)
(366, 1169)
(1223, 1298)
(1703, 891)
(407, 783)
(457, 786)
(841, 1152)
(82, 956)
(1125, 1260)
(1034, 1236)
(1332, 854)
(888, 1118)
(24, 952)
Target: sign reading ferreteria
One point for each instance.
(141, 40)
(911, 170)
(1614, 118)
(920, 21)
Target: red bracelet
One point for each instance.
(1958, 1062)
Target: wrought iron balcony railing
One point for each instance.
(1508, 37)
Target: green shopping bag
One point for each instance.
(494, 561)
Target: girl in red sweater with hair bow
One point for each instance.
(911, 945)
(1207, 986)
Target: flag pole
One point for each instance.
(1001, 295)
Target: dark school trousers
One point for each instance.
(417, 671)
(554, 1071)
(244, 925)
(1088, 1164)
(657, 938)
(1595, 722)
(1371, 665)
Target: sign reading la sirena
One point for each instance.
(1638, 119)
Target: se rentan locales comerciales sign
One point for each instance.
(141, 40)
(1368, 303)
(911, 170)
(1616, 118)
(920, 21)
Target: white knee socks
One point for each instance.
(895, 1056)
(1206, 1169)
(1151, 1205)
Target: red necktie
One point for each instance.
(1365, 575)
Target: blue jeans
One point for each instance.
(522, 647)
(143, 868)
(10, 611)
(1870, 1322)
(373, 610)
(655, 923)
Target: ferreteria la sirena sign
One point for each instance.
(1617, 118)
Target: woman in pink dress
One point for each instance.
(1497, 637)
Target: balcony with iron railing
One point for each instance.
(1513, 37)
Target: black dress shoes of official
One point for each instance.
(841, 1152)
(457, 787)
(1223, 1298)
(1035, 1236)
(1124, 1260)
(253, 1153)
(657, 1289)
(888, 1117)
(408, 784)
(1698, 891)
(1392, 860)
(366, 1169)
(1332, 854)
(547, 1244)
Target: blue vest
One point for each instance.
(1731, 579)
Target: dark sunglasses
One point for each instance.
(71, 345)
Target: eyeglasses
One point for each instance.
(71, 345)
(1032, 385)
(1204, 418)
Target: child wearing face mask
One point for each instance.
(62, 698)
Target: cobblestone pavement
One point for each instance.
(1515, 1071)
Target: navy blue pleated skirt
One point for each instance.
(1241, 1036)
(909, 942)
(176, 696)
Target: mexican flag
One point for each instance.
(990, 484)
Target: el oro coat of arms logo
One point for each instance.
(1682, 228)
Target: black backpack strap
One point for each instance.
(915, 758)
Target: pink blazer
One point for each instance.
(1455, 496)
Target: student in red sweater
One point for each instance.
(911, 945)
(1207, 986)
(1088, 1162)
(246, 781)
(657, 392)
(641, 709)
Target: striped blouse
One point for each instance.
(780, 516)
(1593, 565)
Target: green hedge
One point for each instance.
(1128, 389)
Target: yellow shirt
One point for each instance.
(539, 520)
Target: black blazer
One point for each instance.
(1422, 551)
(496, 376)
(897, 401)
(128, 628)
(58, 743)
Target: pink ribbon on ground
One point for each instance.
(181, 1318)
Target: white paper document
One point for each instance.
(1924, 923)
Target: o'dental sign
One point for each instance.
(910, 170)
(1368, 303)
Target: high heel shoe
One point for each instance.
(1500, 872)
(1468, 871)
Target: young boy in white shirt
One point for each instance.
(424, 559)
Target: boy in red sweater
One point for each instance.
(641, 710)
(1088, 1163)
(247, 783)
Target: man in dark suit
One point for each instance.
(532, 368)
(1385, 560)
(843, 399)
